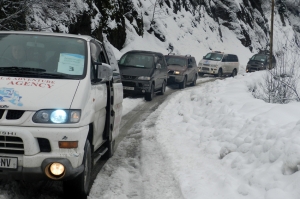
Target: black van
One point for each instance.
(260, 61)
(143, 72)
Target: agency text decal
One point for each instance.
(20, 81)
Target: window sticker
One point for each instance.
(71, 64)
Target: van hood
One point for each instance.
(21, 93)
(177, 68)
(134, 71)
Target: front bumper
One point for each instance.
(31, 164)
(175, 78)
(254, 68)
(38, 173)
(136, 86)
(207, 70)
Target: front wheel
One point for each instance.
(163, 88)
(194, 81)
(220, 73)
(79, 187)
(182, 84)
(149, 95)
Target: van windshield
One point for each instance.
(24, 55)
(175, 61)
(259, 57)
(138, 60)
(213, 56)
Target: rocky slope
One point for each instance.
(248, 19)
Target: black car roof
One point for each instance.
(144, 51)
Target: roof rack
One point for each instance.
(170, 53)
(188, 55)
(217, 51)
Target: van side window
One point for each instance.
(161, 61)
(225, 58)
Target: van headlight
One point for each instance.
(176, 72)
(59, 116)
(144, 78)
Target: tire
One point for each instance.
(149, 95)
(79, 187)
(233, 73)
(194, 81)
(220, 73)
(182, 84)
(163, 88)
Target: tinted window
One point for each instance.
(176, 61)
(161, 61)
(259, 57)
(139, 60)
(213, 56)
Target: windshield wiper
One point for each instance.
(174, 64)
(16, 69)
(56, 75)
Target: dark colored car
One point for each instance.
(143, 72)
(260, 61)
(182, 70)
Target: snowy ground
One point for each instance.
(213, 141)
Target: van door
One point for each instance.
(99, 91)
(224, 64)
(117, 89)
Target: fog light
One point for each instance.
(143, 91)
(57, 169)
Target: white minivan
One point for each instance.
(60, 107)
(218, 64)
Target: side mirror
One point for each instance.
(158, 66)
(190, 66)
(104, 72)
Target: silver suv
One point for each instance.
(218, 64)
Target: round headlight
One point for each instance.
(57, 169)
(58, 116)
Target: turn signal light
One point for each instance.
(68, 144)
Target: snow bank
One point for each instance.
(221, 140)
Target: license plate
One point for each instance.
(128, 88)
(8, 162)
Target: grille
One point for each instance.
(1, 113)
(206, 64)
(128, 77)
(11, 145)
(44, 145)
(204, 68)
(14, 114)
(131, 84)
